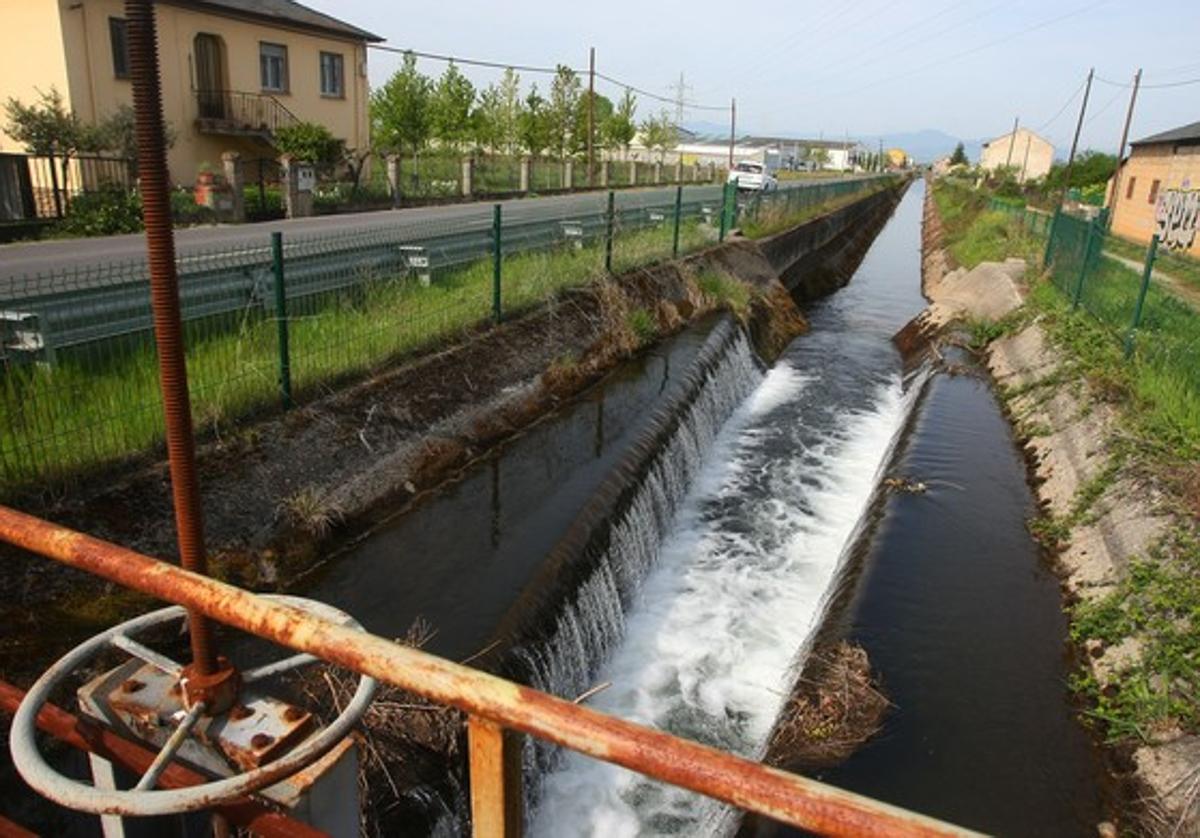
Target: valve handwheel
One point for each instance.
(144, 800)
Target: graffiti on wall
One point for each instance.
(1176, 217)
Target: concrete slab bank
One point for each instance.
(1113, 514)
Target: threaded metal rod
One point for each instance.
(164, 300)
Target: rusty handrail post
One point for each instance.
(164, 301)
(497, 799)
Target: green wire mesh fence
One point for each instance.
(284, 319)
(1139, 302)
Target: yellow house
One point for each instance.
(1158, 190)
(233, 71)
(897, 158)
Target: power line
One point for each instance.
(529, 68)
(978, 48)
(474, 62)
(1060, 111)
(1127, 85)
(666, 100)
(1105, 107)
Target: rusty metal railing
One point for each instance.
(493, 705)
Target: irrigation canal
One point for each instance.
(757, 522)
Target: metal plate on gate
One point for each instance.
(144, 702)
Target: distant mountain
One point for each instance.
(923, 146)
(928, 145)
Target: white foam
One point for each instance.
(711, 638)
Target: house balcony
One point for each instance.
(233, 113)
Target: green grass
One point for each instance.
(641, 323)
(1156, 392)
(1158, 603)
(973, 233)
(726, 290)
(104, 406)
(1163, 372)
(1176, 265)
(778, 211)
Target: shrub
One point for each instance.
(104, 213)
(311, 143)
(185, 211)
(267, 204)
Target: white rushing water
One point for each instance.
(707, 645)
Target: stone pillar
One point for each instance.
(696, 172)
(712, 172)
(235, 176)
(468, 176)
(568, 174)
(526, 165)
(658, 171)
(604, 175)
(393, 178)
(679, 170)
(298, 180)
(632, 172)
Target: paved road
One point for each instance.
(21, 262)
(24, 267)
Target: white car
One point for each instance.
(753, 176)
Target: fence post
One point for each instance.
(1087, 263)
(1147, 271)
(497, 263)
(724, 227)
(235, 176)
(467, 179)
(58, 207)
(678, 215)
(393, 178)
(1050, 237)
(281, 320)
(609, 218)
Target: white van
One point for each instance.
(752, 176)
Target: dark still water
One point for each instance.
(458, 559)
(961, 616)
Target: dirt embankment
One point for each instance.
(279, 491)
(1099, 514)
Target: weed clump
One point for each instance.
(837, 707)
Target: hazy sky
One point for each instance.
(869, 67)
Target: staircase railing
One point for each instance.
(244, 111)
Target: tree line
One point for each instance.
(412, 112)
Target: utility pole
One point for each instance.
(591, 127)
(732, 129)
(1116, 191)
(1012, 141)
(1075, 142)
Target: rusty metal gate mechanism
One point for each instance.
(257, 742)
(205, 712)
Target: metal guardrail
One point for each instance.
(493, 704)
(230, 282)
